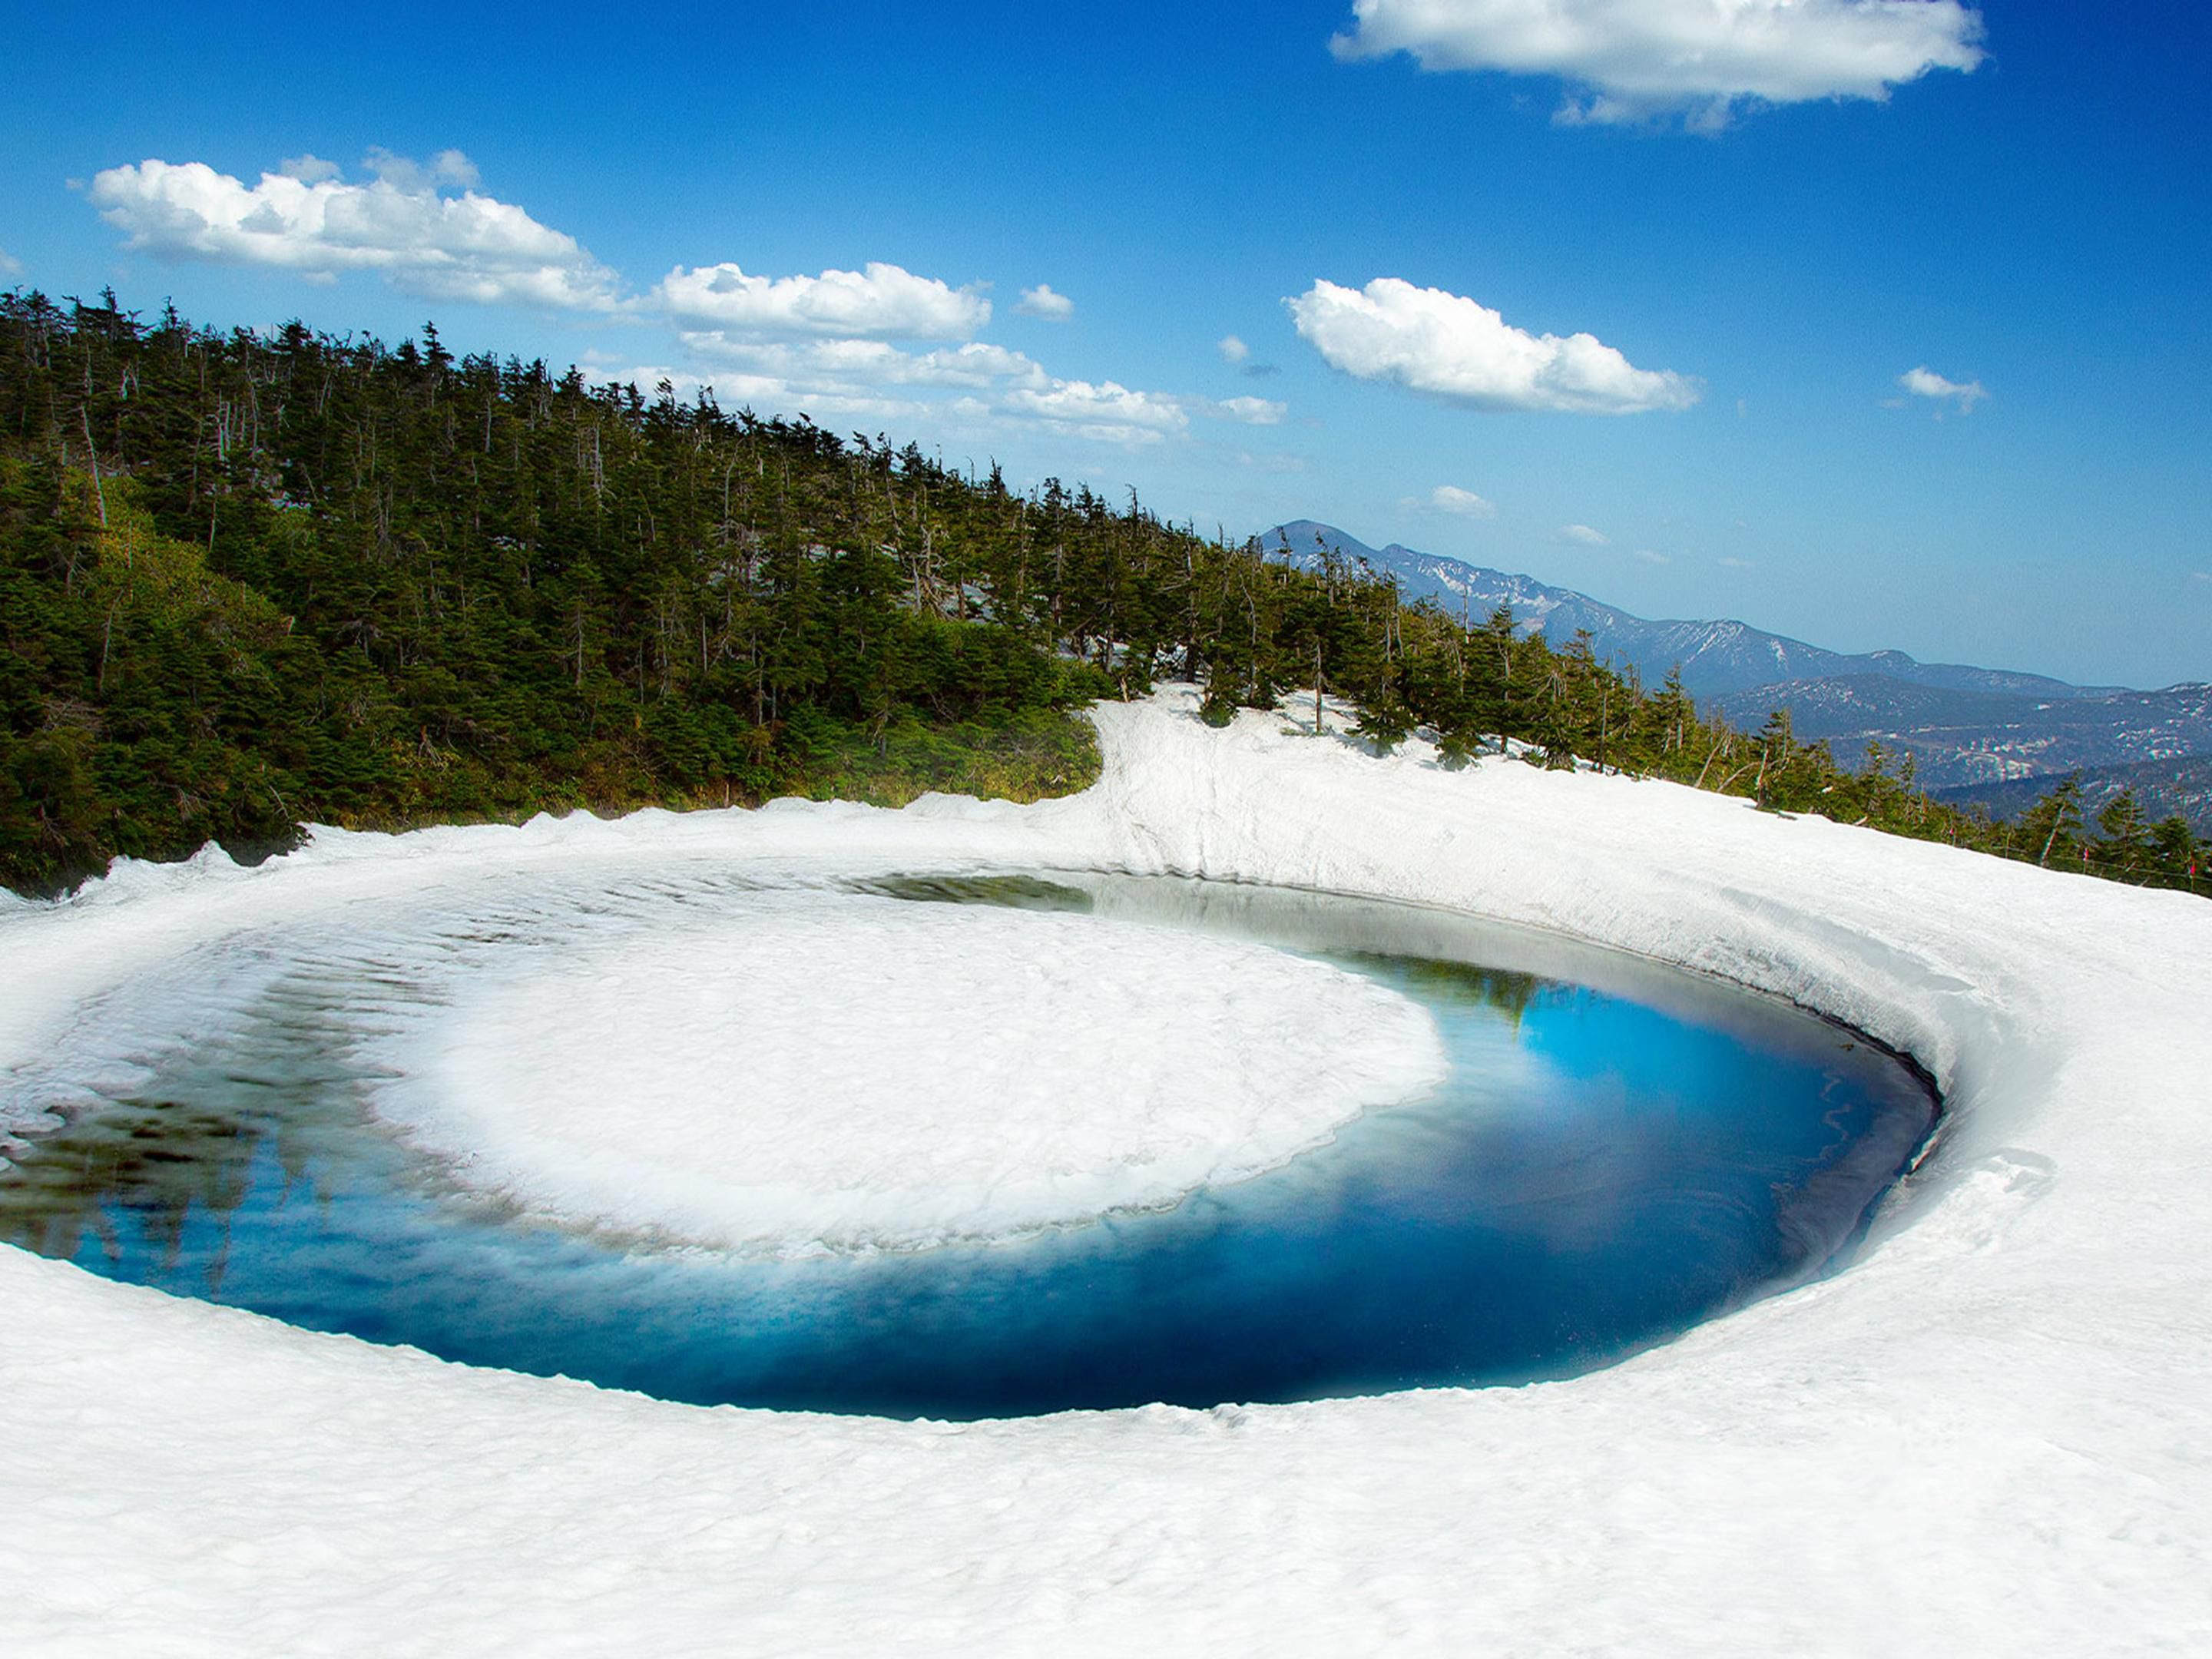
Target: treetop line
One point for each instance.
(252, 581)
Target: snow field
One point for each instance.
(1985, 1436)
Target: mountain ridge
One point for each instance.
(1716, 655)
(1963, 725)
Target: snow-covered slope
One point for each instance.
(1986, 1436)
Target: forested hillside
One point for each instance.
(251, 581)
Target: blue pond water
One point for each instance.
(1619, 1152)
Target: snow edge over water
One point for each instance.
(1985, 1435)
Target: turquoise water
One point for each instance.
(1619, 1152)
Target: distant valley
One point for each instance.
(1969, 730)
(2162, 787)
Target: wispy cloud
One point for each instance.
(1248, 411)
(1428, 340)
(1697, 61)
(10, 264)
(1581, 535)
(995, 386)
(1238, 356)
(1925, 382)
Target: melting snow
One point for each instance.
(1985, 1436)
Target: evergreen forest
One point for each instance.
(250, 582)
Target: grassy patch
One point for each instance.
(1024, 757)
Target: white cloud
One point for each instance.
(1430, 340)
(880, 301)
(448, 247)
(1251, 411)
(1042, 302)
(1107, 410)
(1634, 59)
(879, 380)
(766, 392)
(1729, 563)
(1649, 557)
(1925, 382)
(1238, 356)
(823, 345)
(1583, 535)
(844, 364)
(1463, 503)
(10, 264)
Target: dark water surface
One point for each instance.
(1619, 1152)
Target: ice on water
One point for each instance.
(805, 1069)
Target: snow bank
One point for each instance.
(1986, 1436)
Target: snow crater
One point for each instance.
(803, 1071)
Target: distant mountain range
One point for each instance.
(1964, 725)
(1978, 738)
(2162, 786)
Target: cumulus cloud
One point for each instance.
(1628, 60)
(1925, 382)
(880, 301)
(399, 224)
(1462, 503)
(1581, 535)
(1428, 340)
(839, 343)
(1042, 302)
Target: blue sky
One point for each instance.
(1624, 294)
